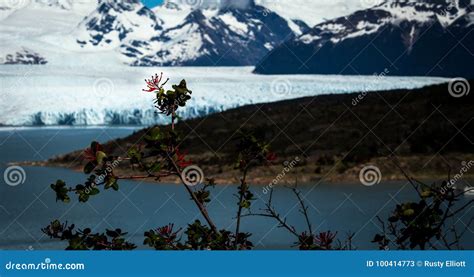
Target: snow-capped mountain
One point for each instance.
(37, 31)
(176, 33)
(314, 12)
(214, 36)
(114, 22)
(428, 37)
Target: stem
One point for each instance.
(269, 211)
(304, 209)
(173, 117)
(242, 190)
(410, 180)
(201, 207)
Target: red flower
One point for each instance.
(167, 233)
(166, 230)
(90, 153)
(271, 157)
(181, 159)
(325, 239)
(153, 84)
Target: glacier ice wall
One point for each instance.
(101, 95)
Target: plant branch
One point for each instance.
(201, 207)
(242, 190)
(304, 208)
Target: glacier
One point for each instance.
(101, 94)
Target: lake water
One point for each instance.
(140, 206)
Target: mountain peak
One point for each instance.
(112, 21)
(409, 37)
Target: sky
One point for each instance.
(310, 11)
(152, 3)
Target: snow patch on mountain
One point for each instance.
(171, 13)
(408, 37)
(21, 56)
(113, 22)
(213, 36)
(369, 21)
(313, 12)
(175, 33)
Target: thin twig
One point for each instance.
(304, 208)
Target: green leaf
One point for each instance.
(134, 154)
(245, 204)
(83, 197)
(89, 167)
(94, 191)
(115, 186)
(61, 191)
(154, 134)
(100, 156)
(110, 183)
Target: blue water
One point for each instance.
(140, 206)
